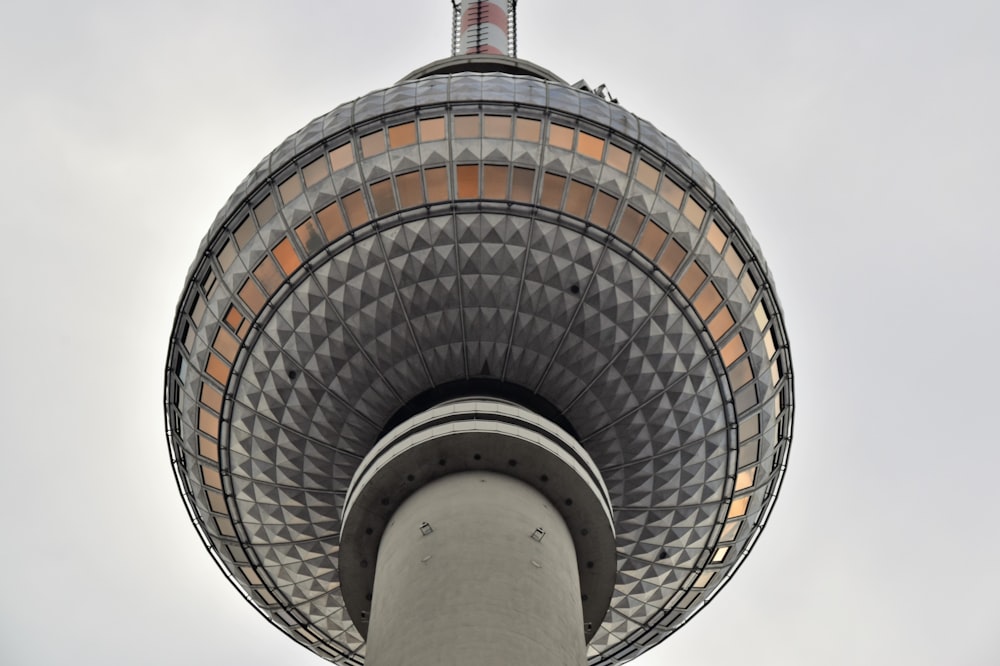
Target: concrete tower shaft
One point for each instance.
(484, 27)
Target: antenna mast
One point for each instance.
(484, 26)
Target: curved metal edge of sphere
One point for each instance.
(713, 298)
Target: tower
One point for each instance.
(480, 364)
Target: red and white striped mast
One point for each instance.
(485, 27)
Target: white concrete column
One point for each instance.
(476, 568)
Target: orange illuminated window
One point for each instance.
(207, 448)
(748, 428)
(233, 318)
(467, 179)
(251, 576)
(373, 144)
(267, 274)
(245, 232)
(749, 452)
(604, 209)
(208, 422)
(225, 526)
(733, 261)
(730, 531)
(466, 127)
(716, 238)
(738, 507)
(522, 184)
(552, 190)
(732, 350)
(286, 255)
(217, 369)
(226, 255)
(315, 171)
(291, 188)
(647, 175)
(694, 212)
(561, 137)
(354, 207)
(760, 316)
(628, 226)
(382, 197)
(251, 294)
(652, 239)
(403, 135)
(671, 192)
(740, 374)
(720, 554)
(707, 301)
(693, 278)
(769, 345)
(226, 344)
(495, 181)
(590, 146)
(745, 479)
(210, 477)
(265, 210)
(216, 502)
(332, 221)
(308, 235)
(431, 129)
(436, 183)
(748, 286)
(197, 310)
(526, 129)
(211, 397)
(746, 398)
(578, 198)
(497, 127)
(342, 157)
(704, 579)
(411, 192)
(721, 322)
(617, 158)
(672, 257)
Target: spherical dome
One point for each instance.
(479, 232)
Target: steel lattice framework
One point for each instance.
(479, 230)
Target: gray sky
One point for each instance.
(859, 139)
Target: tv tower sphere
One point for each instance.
(480, 366)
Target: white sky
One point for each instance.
(859, 139)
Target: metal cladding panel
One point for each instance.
(477, 227)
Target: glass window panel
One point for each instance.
(769, 345)
(590, 146)
(720, 554)
(211, 397)
(552, 190)
(216, 502)
(730, 531)
(716, 238)
(578, 198)
(671, 257)
(382, 197)
(251, 294)
(749, 428)
(733, 261)
(209, 282)
(354, 207)
(732, 350)
(308, 235)
(693, 278)
(721, 322)
(208, 422)
(688, 599)
(226, 344)
(604, 209)
(707, 301)
(466, 127)
(749, 452)
(332, 221)
(694, 212)
(628, 226)
(526, 129)
(560, 136)
(245, 232)
(748, 286)
(495, 181)
(671, 192)
(267, 274)
(647, 175)
(268, 600)
(251, 576)
(738, 507)
(746, 398)
(760, 315)
(775, 372)
(431, 129)
(436, 182)
(226, 255)
(522, 184)
(217, 369)
(704, 579)
(373, 144)
(745, 479)
(265, 210)
(315, 171)
(467, 179)
(207, 448)
(244, 329)
(188, 337)
(740, 374)
(225, 526)
(286, 255)
(291, 188)
(497, 127)
(617, 158)
(210, 477)
(651, 241)
(342, 157)
(411, 193)
(403, 135)
(197, 310)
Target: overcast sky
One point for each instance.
(859, 139)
